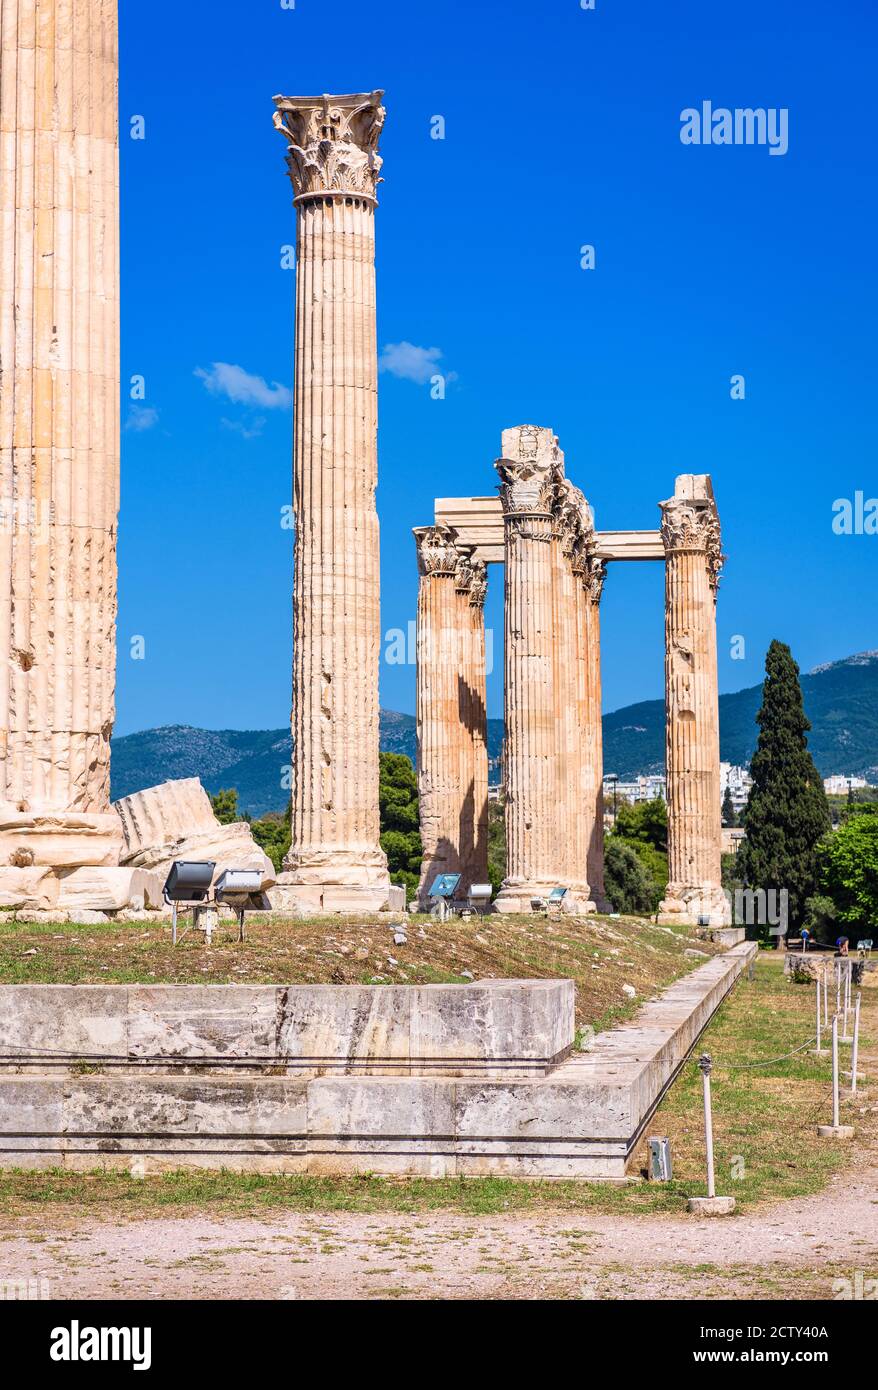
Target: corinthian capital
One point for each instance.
(690, 522)
(332, 142)
(437, 551)
(479, 584)
(530, 468)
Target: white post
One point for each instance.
(838, 984)
(835, 1071)
(825, 995)
(847, 996)
(705, 1064)
(856, 1047)
(817, 975)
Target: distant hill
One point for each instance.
(841, 700)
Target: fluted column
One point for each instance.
(593, 588)
(335, 862)
(529, 469)
(571, 515)
(691, 535)
(475, 764)
(438, 705)
(59, 430)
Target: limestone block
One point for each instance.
(108, 890)
(175, 820)
(59, 839)
(34, 888)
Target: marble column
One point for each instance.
(438, 705)
(693, 559)
(570, 513)
(594, 575)
(59, 432)
(530, 467)
(335, 862)
(475, 749)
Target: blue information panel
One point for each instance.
(444, 885)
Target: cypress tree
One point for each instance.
(729, 815)
(787, 813)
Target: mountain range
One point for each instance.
(841, 700)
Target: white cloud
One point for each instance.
(224, 379)
(251, 431)
(412, 363)
(141, 417)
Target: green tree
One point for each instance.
(496, 844)
(272, 833)
(848, 862)
(787, 814)
(225, 806)
(398, 804)
(643, 827)
(729, 814)
(628, 881)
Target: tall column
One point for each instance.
(475, 756)
(438, 705)
(593, 587)
(529, 469)
(335, 862)
(59, 431)
(571, 510)
(693, 559)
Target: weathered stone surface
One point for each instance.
(335, 862)
(34, 889)
(691, 535)
(175, 820)
(59, 432)
(580, 1118)
(451, 712)
(109, 890)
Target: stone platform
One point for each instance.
(421, 1080)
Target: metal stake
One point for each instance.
(818, 1010)
(856, 1047)
(835, 1071)
(705, 1064)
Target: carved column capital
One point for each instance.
(593, 578)
(530, 467)
(332, 143)
(479, 584)
(692, 525)
(463, 573)
(437, 550)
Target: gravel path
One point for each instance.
(793, 1249)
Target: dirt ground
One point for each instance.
(794, 1249)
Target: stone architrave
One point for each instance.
(335, 862)
(530, 468)
(59, 433)
(691, 535)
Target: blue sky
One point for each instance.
(562, 128)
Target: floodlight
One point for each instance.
(242, 890)
(188, 882)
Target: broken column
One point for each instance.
(335, 862)
(529, 469)
(693, 559)
(59, 444)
